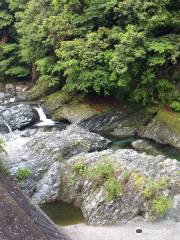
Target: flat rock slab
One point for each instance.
(20, 220)
(158, 231)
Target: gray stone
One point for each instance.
(44, 154)
(162, 133)
(91, 196)
(10, 88)
(142, 145)
(17, 116)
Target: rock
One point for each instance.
(28, 132)
(174, 212)
(164, 128)
(17, 116)
(134, 171)
(103, 122)
(123, 123)
(142, 145)
(125, 131)
(44, 154)
(10, 88)
(4, 96)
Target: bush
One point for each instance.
(101, 171)
(161, 205)
(23, 173)
(4, 170)
(113, 189)
(175, 106)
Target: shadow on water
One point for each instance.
(62, 213)
(126, 143)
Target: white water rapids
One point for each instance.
(44, 121)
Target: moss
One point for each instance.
(57, 100)
(103, 174)
(4, 170)
(170, 119)
(113, 189)
(74, 111)
(23, 173)
(39, 90)
(139, 181)
(152, 188)
(161, 205)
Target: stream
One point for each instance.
(64, 214)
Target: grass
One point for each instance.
(161, 205)
(23, 173)
(103, 174)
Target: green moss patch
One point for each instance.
(170, 119)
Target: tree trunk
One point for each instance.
(34, 75)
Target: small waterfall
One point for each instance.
(44, 121)
(7, 125)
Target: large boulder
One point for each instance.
(43, 155)
(139, 184)
(17, 116)
(164, 128)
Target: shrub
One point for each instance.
(160, 205)
(153, 187)
(101, 171)
(175, 106)
(4, 170)
(113, 189)
(23, 173)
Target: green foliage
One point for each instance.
(79, 168)
(23, 173)
(113, 189)
(101, 173)
(99, 46)
(161, 205)
(175, 106)
(4, 170)
(152, 189)
(2, 145)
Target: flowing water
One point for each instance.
(44, 121)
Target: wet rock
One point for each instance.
(17, 116)
(28, 132)
(142, 145)
(10, 88)
(134, 171)
(125, 131)
(4, 96)
(44, 154)
(103, 122)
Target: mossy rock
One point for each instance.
(170, 119)
(80, 108)
(165, 128)
(57, 100)
(40, 90)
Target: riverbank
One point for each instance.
(150, 231)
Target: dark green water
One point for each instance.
(125, 143)
(63, 214)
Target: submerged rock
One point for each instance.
(144, 181)
(142, 145)
(16, 116)
(44, 154)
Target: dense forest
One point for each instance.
(129, 47)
